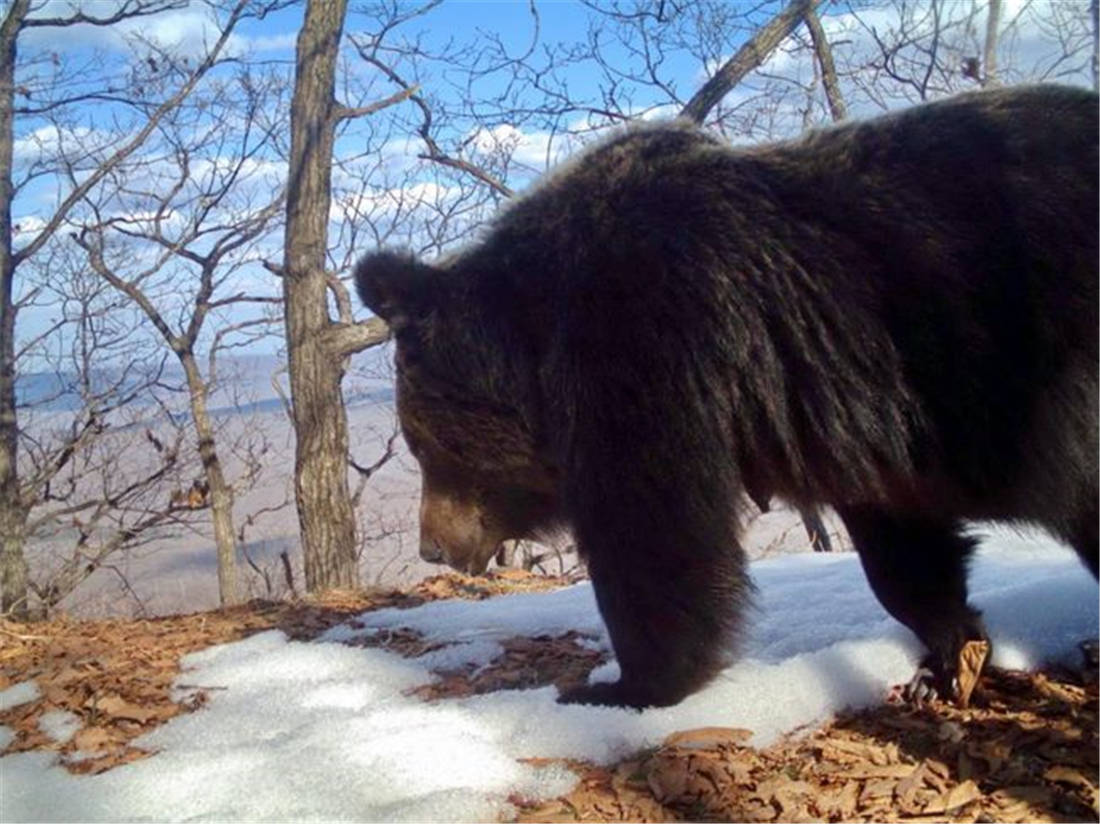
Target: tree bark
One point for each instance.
(824, 53)
(221, 493)
(748, 57)
(989, 57)
(325, 514)
(1094, 12)
(13, 511)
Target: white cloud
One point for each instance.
(271, 42)
(529, 148)
(186, 32)
(382, 203)
(26, 227)
(47, 141)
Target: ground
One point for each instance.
(1026, 749)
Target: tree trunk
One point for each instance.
(1094, 12)
(221, 494)
(989, 58)
(13, 512)
(325, 514)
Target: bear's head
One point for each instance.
(482, 480)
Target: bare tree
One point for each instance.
(1094, 13)
(317, 346)
(93, 166)
(989, 50)
(213, 253)
(754, 52)
(100, 458)
(176, 233)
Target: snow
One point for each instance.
(60, 725)
(323, 730)
(18, 694)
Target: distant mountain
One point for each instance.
(244, 384)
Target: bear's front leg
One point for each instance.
(668, 573)
(641, 424)
(671, 622)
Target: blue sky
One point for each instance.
(772, 103)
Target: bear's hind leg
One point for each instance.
(917, 569)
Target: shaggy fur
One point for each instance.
(897, 318)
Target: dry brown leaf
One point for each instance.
(876, 771)
(848, 802)
(907, 787)
(842, 750)
(668, 779)
(936, 773)
(877, 788)
(1067, 775)
(972, 658)
(792, 792)
(740, 770)
(704, 737)
(963, 794)
(1058, 691)
(92, 739)
(509, 574)
(118, 707)
(1031, 794)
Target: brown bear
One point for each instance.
(897, 318)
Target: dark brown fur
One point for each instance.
(897, 318)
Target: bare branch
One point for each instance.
(437, 156)
(128, 10)
(94, 248)
(342, 297)
(343, 339)
(751, 55)
(344, 112)
(80, 191)
(828, 69)
(434, 153)
(365, 472)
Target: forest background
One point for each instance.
(192, 408)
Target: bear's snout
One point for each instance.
(453, 530)
(431, 552)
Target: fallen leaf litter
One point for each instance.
(1024, 750)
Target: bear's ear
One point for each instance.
(396, 286)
